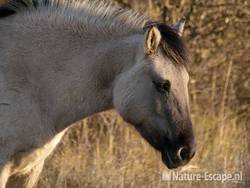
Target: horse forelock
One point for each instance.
(172, 44)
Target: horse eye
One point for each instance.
(163, 87)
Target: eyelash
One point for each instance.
(163, 87)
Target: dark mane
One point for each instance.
(172, 43)
(11, 7)
(111, 17)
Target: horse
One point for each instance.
(62, 61)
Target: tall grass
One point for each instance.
(103, 151)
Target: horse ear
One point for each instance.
(152, 41)
(179, 27)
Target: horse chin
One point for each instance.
(166, 159)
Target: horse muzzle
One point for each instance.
(179, 158)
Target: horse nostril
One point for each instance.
(184, 154)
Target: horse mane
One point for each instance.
(92, 11)
(113, 20)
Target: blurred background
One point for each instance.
(104, 151)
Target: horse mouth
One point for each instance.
(168, 161)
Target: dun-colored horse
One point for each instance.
(62, 61)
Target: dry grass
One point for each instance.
(103, 151)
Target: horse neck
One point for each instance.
(90, 88)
